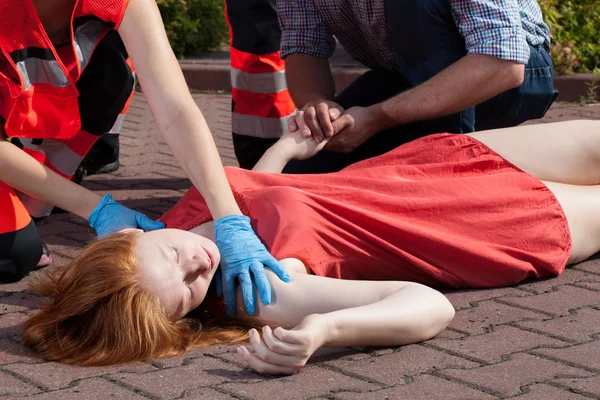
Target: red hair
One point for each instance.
(100, 314)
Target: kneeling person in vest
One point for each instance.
(55, 103)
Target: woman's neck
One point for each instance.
(206, 229)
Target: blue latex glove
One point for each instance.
(110, 217)
(242, 252)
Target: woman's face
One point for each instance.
(177, 266)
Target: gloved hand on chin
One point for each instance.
(110, 217)
(242, 252)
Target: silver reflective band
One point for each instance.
(37, 70)
(266, 128)
(57, 153)
(270, 82)
(118, 124)
(86, 38)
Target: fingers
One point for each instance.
(146, 223)
(276, 267)
(218, 278)
(280, 347)
(292, 124)
(334, 113)
(310, 117)
(292, 337)
(263, 367)
(324, 119)
(304, 129)
(343, 122)
(229, 297)
(247, 292)
(268, 356)
(261, 281)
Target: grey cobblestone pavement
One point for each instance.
(537, 340)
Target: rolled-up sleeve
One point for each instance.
(492, 27)
(303, 30)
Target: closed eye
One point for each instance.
(190, 288)
(178, 255)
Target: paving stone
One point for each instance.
(467, 298)
(578, 327)
(590, 385)
(18, 301)
(88, 389)
(11, 324)
(591, 266)
(176, 361)
(547, 392)
(557, 302)
(586, 354)
(53, 376)
(207, 393)
(570, 276)
(173, 382)
(319, 356)
(311, 381)
(409, 360)
(590, 285)
(12, 351)
(11, 386)
(486, 314)
(423, 387)
(492, 346)
(508, 377)
(451, 333)
(20, 286)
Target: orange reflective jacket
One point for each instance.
(38, 96)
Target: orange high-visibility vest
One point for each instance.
(38, 96)
(261, 101)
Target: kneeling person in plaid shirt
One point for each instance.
(434, 66)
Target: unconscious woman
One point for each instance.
(362, 246)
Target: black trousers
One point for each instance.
(20, 251)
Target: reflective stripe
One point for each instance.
(57, 153)
(270, 82)
(37, 70)
(118, 124)
(266, 128)
(86, 39)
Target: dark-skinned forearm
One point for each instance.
(466, 83)
(309, 79)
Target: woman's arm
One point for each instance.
(291, 146)
(22, 172)
(342, 313)
(178, 118)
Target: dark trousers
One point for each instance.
(426, 41)
(20, 252)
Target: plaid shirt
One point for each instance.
(500, 28)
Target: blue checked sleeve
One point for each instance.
(492, 27)
(303, 30)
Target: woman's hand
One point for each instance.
(298, 147)
(282, 351)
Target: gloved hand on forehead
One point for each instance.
(110, 217)
(243, 253)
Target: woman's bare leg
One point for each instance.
(564, 152)
(581, 205)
